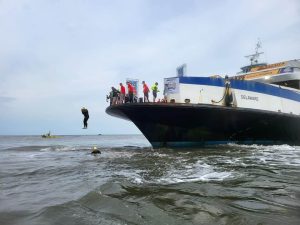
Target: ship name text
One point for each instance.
(247, 97)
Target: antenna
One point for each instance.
(254, 57)
(181, 70)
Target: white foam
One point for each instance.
(61, 148)
(219, 176)
(137, 180)
(160, 155)
(118, 154)
(194, 172)
(275, 155)
(177, 173)
(132, 175)
(48, 149)
(66, 148)
(33, 155)
(266, 147)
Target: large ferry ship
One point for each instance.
(259, 105)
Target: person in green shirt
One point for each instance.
(154, 89)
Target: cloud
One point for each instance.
(6, 99)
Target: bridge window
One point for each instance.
(290, 83)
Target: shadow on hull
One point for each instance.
(193, 125)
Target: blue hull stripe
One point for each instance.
(243, 85)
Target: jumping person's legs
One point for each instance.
(85, 122)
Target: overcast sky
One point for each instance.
(59, 55)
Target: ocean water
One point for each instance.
(59, 181)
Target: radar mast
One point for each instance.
(254, 57)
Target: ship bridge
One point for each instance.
(285, 73)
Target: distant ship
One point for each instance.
(259, 105)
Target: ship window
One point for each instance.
(289, 83)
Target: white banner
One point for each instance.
(171, 85)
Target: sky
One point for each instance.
(57, 56)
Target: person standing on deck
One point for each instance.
(154, 91)
(115, 94)
(146, 92)
(122, 93)
(130, 91)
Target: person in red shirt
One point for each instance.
(122, 93)
(146, 92)
(130, 91)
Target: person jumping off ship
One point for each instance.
(85, 113)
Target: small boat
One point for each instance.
(48, 135)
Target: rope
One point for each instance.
(225, 93)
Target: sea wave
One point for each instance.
(198, 171)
